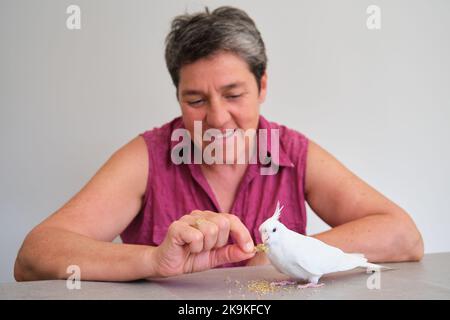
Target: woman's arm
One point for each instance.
(362, 219)
(80, 233)
(48, 251)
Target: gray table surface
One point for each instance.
(427, 279)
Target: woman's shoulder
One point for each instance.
(293, 142)
(163, 132)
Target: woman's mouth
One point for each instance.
(223, 135)
(228, 133)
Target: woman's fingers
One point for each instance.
(210, 232)
(259, 259)
(215, 229)
(220, 221)
(182, 233)
(228, 224)
(229, 254)
(209, 229)
(240, 233)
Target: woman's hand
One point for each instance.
(258, 260)
(199, 241)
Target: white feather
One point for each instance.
(303, 257)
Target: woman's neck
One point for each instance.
(224, 180)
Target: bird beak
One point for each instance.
(264, 237)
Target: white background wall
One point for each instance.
(378, 100)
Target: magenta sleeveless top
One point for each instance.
(175, 190)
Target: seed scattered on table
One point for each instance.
(261, 287)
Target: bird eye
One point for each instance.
(274, 229)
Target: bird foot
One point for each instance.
(282, 283)
(310, 285)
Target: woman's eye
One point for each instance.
(233, 96)
(274, 229)
(195, 103)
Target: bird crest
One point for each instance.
(277, 213)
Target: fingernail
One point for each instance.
(248, 247)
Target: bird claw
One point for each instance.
(310, 285)
(282, 283)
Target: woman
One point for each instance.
(176, 218)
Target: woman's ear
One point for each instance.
(263, 89)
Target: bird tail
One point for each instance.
(371, 267)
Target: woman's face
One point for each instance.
(221, 92)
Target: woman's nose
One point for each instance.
(217, 114)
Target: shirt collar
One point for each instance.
(283, 159)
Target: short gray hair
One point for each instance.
(199, 35)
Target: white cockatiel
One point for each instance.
(305, 258)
